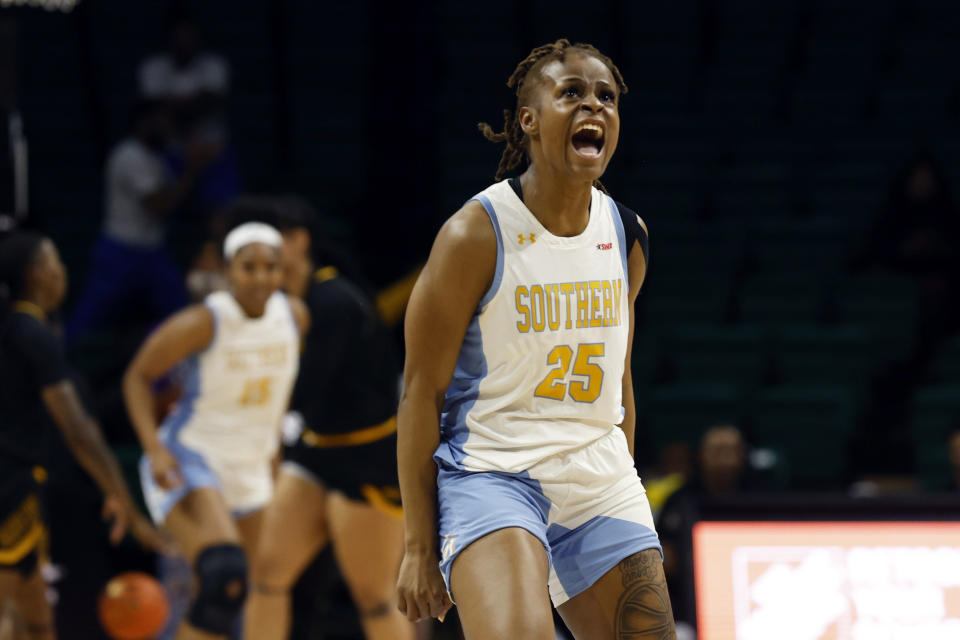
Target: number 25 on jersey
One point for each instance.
(555, 387)
(256, 392)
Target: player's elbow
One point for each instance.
(80, 434)
(419, 391)
(133, 378)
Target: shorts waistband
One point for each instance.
(351, 438)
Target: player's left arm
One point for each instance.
(637, 271)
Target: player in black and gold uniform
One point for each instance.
(34, 387)
(339, 482)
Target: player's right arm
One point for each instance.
(85, 441)
(47, 365)
(460, 269)
(186, 333)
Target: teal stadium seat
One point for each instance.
(686, 299)
(946, 367)
(774, 300)
(886, 304)
(811, 354)
(936, 414)
(735, 355)
(811, 424)
(682, 412)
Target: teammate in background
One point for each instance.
(33, 386)
(339, 484)
(517, 376)
(207, 472)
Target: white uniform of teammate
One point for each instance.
(529, 430)
(225, 429)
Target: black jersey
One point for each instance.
(349, 370)
(31, 358)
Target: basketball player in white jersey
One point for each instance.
(516, 426)
(207, 471)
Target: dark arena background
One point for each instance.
(796, 358)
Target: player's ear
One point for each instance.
(529, 121)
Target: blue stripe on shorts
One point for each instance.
(474, 504)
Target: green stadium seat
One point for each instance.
(946, 367)
(933, 466)
(886, 304)
(685, 299)
(936, 414)
(781, 300)
(811, 424)
(802, 247)
(717, 354)
(821, 354)
(681, 413)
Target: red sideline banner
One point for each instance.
(827, 580)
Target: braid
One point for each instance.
(512, 133)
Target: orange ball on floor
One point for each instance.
(133, 606)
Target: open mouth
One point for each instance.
(588, 140)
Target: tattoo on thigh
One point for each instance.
(644, 612)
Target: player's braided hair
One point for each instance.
(512, 133)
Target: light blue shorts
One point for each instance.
(246, 486)
(588, 508)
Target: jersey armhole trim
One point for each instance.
(216, 326)
(498, 274)
(622, 239)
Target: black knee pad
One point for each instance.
(221, 572)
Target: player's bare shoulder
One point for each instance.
(466, 248)
(470, 229)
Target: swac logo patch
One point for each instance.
(533, 238)
(604, 246)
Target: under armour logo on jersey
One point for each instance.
(604, 246)
(533, 237)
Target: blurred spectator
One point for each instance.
(914, 235)
(908, 234)
(195, 81)
(674, 467)
(953, 448)
(130, 265)
(195, 84)
(721, 467)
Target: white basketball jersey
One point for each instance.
(541, 367)
(237, 389)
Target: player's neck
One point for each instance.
(563, 207)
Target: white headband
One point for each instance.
(248, 234)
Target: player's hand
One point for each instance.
(149, 536)
(125, 518)
(421, 591)
(118, 516)
(164, 468)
